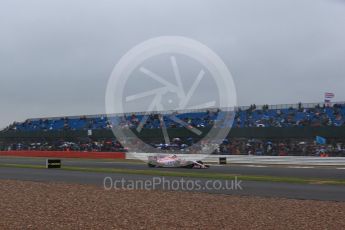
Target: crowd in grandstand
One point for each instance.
(317, 116)
(232, 146)
(251, 117)
(86, 145)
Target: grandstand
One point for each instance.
(259, 130)
(295, 115)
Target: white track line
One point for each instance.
(301, 167)
(256, 166)
(341, 168)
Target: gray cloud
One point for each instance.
(56, 56)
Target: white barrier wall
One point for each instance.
(245, 159)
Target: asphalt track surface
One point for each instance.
(247, 188)
(283, 171)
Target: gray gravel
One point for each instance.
(38, 205)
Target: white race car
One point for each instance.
(174, 162)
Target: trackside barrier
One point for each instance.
(53, 163)
(265, 160)
(65, 154)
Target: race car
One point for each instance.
(174, 162)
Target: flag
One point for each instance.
(329, 95)
(320, 140)
(89, 132)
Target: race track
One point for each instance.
(284, 171)
(250, 188)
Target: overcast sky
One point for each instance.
(56, 55)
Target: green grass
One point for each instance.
(23, 166)
(202, 174)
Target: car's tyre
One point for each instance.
(151, 165)
(190, 166)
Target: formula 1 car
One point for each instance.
(174, 162)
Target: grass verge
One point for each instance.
(193, 174)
